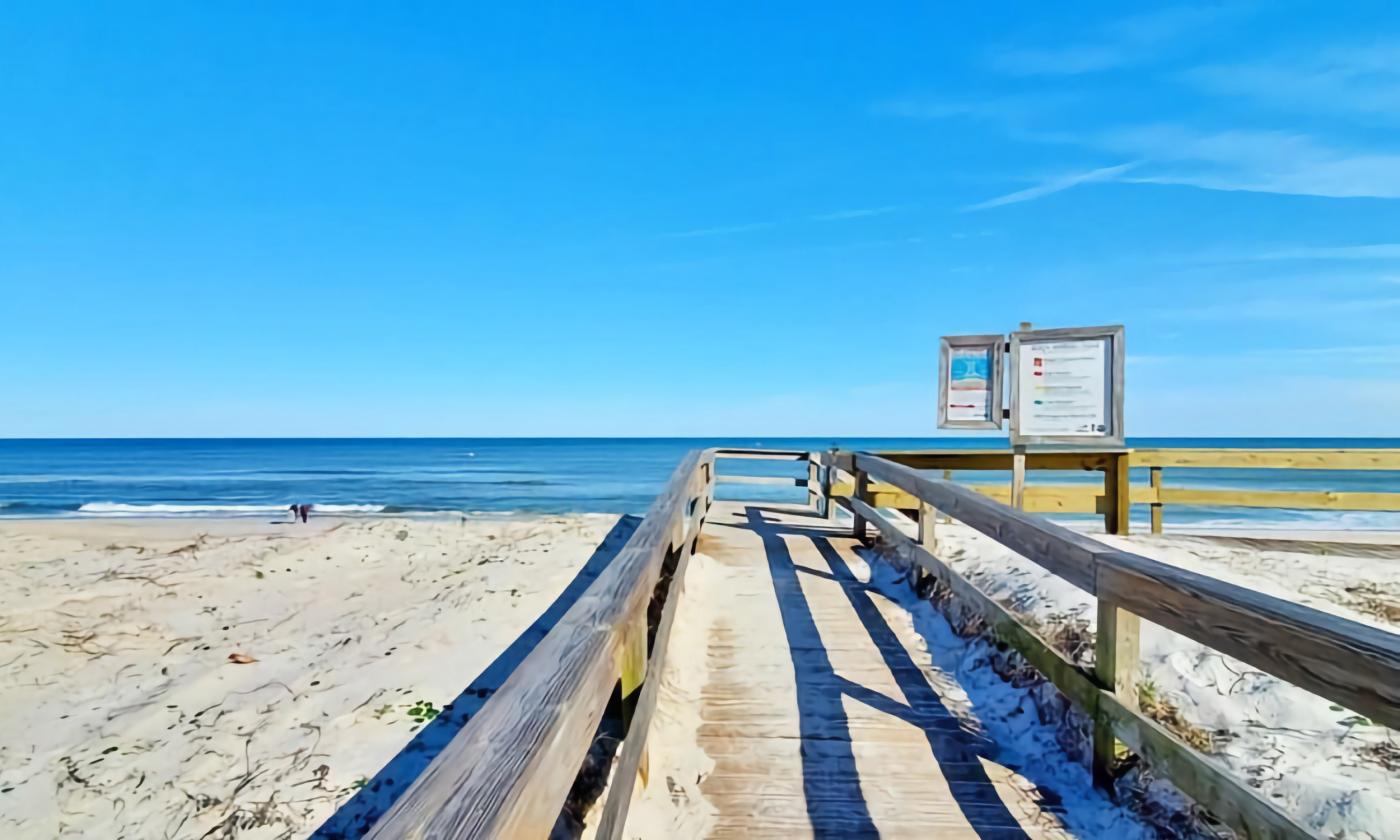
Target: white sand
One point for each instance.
(1319, 762)
(123, 715)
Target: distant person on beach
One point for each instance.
(305, 511)
(294, 510)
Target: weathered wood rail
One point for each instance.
(1355, 665)
(1114, 497)
(509, 770)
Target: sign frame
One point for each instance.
(994, 343)
(1113, 380)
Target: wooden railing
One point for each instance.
(509, 770)
(1157, 495)
(1113, 498)
(1352, 664)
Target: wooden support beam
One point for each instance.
(1116, 663)
(1300, 459)
(1291, 499)
(828, 479)
(928, 518)
(1018, 479)
(1000, 459)
(1117, 496)
(1154, 477)
(782, 480)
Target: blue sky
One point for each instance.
(638, 219)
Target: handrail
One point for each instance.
(1108, 498)
(509, 770)
(1273, 459)
(1351, 663)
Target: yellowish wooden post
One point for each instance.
(813, 492)
(928, 516)
(1117, 502)
(633, 664)
(1018, 479)
(1155, 476)
(1116, 662)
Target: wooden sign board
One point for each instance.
(969, 381)
(1067, 386)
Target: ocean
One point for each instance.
(348, 477)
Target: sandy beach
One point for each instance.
(240, 678)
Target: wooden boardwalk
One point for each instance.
(819, 718)
(819, 709)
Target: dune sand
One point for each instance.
(125, 714)
(1335, 771)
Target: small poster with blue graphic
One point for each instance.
(969, 382)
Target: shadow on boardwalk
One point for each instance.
(359, 812)
(836, 805)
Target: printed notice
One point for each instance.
(1062, 388)
(970, 384)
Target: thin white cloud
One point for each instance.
(1288, 309)
(1288, 163)
(720, 231)
(861, 213)
(1052, 186)
(1382, 251)
(1131, 40)
(1359, 79)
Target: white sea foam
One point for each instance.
(120, 509)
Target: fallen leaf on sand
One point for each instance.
(241, 659)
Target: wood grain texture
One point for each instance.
(507, 772)
(1066, 553)
(1116, 660)
(632, 757)
(1304, 459)
(818, 709)
(783, 480)
(1293, 499)
(761, 454)
(1000, 459)
(1039, 498)
(1350, 663)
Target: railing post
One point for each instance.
(1155, 476)
(813, 493)
(828, 478)
(861, 490)
(1116, 661)
(928, 540)
(1018, 478)
(1117, 501)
